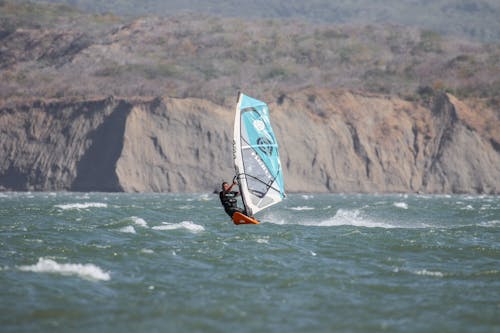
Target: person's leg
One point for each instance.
(236, 209)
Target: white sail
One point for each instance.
(256, 156)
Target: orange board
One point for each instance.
(239, 218)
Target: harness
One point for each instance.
(228, 199)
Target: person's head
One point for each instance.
(225, 186)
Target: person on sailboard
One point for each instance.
(228, 199)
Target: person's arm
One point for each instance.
(236, 193)
(230, 187)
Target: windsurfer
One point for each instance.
(228, 199)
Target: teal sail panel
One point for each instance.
(256, 156)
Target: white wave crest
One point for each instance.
(402, 205)
(82, 205)
(128, 229)
(87, 271)
(299, 208)
(139, 221)
(428, 273)
(205, 197)
(193, 227)
(494, 223)
(348, 217)
(186, 207)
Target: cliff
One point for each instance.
(330, 141)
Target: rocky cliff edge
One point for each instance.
(330, 141)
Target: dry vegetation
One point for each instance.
(476, 19)
(52, 51)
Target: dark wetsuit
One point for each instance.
(228, 200)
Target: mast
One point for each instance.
(237, 153)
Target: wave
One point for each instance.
(421, 272)
(87, 271)
(299, 208)
(262, 240)
(205, 197)
(485, 207)
(187, 207)
(193, 227)
(84, 205)
(438, 274)
(490, 224)
(342, 217)
(128, 229)
(139, 221)
(425, 272)
(402, 205)
(350, 217)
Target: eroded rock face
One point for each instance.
(330, 141)
(176, 145)
(359, 143)
(62, 145)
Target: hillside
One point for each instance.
(64, 52)
(473, 19)
(97, 102)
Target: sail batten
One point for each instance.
(256, 156)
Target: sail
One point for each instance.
(256, 156)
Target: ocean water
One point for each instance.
(102, 262)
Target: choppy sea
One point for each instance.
(105, 262)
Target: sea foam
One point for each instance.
(402, 205)
(139, 221)
(128, 229)
(183, 225)
(87, 271)
(82, 205)
(205, 197)
(347, 217)
(299, 208)
(425, 272)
